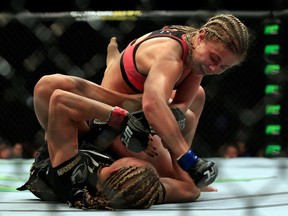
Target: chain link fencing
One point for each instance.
(74, 43)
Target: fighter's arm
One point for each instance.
(186, 93)
(179, 191)
(179, 187)
(155, 103)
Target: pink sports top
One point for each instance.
(134, 79)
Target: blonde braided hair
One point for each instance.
(230, 31)
(225, 28)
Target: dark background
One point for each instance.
(29, 49)
(78, 5)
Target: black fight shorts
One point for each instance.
(70, 177)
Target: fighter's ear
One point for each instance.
(106, 171)
(201, 34)
(114, 170)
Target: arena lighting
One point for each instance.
(273, 55)
(272, 89)
(272, 109)
(273, 73)
(272, 49)
(273, 129)
(272, 69)
(273, 140)
(272, 29)
(273, 126)
(272, 38)
(273, 149)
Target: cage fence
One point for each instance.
(74, 43)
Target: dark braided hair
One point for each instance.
(132, 187)
(129, 188)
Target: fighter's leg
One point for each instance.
(48, 84)
(65, 111)
(193, 115)
(202, 171)
(43, 91)
(112, 52)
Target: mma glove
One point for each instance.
(179, 116)
(135, 135)
(202, 171)
(136, 129)
(133, 126)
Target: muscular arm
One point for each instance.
(163, 61)
(179, 191)
(181, 187)
(158, 88)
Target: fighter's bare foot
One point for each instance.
(112, 52)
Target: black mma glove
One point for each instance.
(101, 134)
(202, 171)
(133, 126)
(137, 129)
(180, 117)
(178, 114)
(135, 132)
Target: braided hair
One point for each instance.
(225, 28)
(129, 188)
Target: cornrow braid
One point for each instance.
(89, 201)
(230, 31)
(132, 187)
(224, 27)
(129, 188)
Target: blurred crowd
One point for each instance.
(239, 148)
(17, 150)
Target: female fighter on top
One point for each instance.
(159, 73)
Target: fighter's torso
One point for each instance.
(125, 74)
